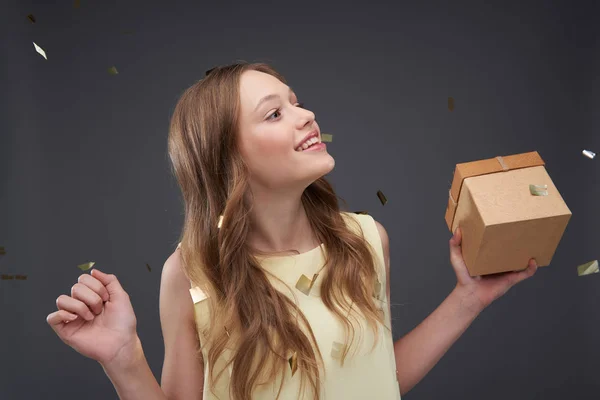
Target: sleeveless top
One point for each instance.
(367, 373)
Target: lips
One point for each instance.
(310, 135)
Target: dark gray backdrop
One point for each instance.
(85, 175)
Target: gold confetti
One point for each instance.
(538, 190)
(226, 331)
(113, 70)
(361, 212)
(337, 350)
(40, 50)
(21, 277)
(588, 268)
(293, 360)
(197, 294)
(86, 266)
(220, 223)
(304, 284)
(377, 288)
(589, 154)
(326, 137)
(6, 277)
(148, 266)
(381, 197)
(2, 251)
(31, 18)
(451, 103)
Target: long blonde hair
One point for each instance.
(213, 178)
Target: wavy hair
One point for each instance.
(261, 323)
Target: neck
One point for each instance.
(279, 223)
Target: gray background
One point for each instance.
(84, 174)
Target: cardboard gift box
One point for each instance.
(504, 221)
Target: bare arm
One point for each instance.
(182, 375)
(419, 350)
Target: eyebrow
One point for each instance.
(270, 97)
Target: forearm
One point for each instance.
(419, 350)
(133, 379)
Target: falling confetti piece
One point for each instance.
(113, 71)
(148, 266)
(588, 268)
(2, 251)
(40, 50)
(589, 154)
(337, 349)
(293, 360)
(326, 137)
(197, 294)
(304, 284)
(77, 3)
(6, 277)
(381, 197)
(86, 266)
(21, 277)
(538, 190)
(451, 103)
(220, 223)
(31, 18)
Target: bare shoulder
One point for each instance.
(182, 374)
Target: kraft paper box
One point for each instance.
(503, 224)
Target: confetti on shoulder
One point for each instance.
(40, 50)
(86, 266)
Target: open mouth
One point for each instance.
(308, 144)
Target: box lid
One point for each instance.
(483, 167)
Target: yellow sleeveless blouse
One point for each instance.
(367, 374)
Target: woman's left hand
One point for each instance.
(481, 291)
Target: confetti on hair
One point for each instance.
(588, 268)
(450, 104)
(326, 137)
(86, 266)
(538, 190)
(220, 223)
(305, 284)
(198, 294)
(382, 197)
(337, 350)
(589, 154)
(113, 70)
(40, 50)
(293, 360)
(31, 18)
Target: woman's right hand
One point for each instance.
(97, 320)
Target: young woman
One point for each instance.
(273, 291)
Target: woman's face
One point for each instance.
(272, 126)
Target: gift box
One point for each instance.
(509, 211)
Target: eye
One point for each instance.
(275, 113)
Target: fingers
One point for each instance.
(59, 317)
(74, 306)
(95, 285)
(527, 272)
(110, 282)
(90, 298)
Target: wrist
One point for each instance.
(468, 300)
(127, 360)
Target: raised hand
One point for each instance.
(97, 320)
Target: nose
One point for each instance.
(305, 117)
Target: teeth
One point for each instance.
(308, 143)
